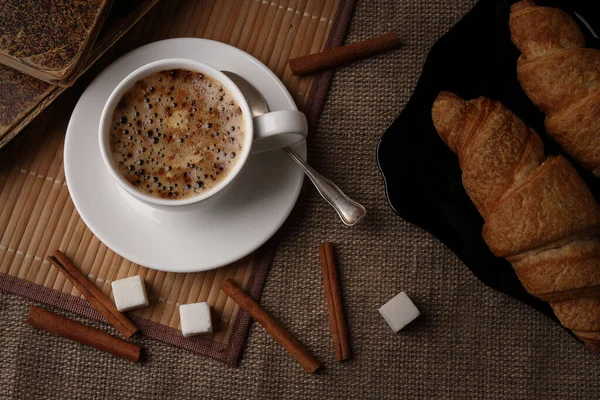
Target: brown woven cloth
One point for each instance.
(470, 342)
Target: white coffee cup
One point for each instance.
(269, 131)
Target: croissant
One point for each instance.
(538, 212)
(561, 77)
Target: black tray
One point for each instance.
(422, 177)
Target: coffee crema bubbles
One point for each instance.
(176, 134)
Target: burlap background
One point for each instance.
(470, 342)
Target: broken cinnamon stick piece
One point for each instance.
(343, 55)
(290, 343)
(333, 294)
(93, 294)
(65, 327)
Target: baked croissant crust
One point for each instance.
(561, 77)
(538, 212)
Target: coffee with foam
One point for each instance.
(176, 134)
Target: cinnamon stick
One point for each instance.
(333, 294)
(343, 55)
(93, 294)
(290, 343)
(73, 330)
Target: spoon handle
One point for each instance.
(349, 211)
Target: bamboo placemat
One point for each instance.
(37, 215)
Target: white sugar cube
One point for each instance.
(195, 319)
(399, 312)
(130, 293)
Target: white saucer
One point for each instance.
(214, 233)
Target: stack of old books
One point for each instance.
(46, 45)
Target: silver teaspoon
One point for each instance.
(349, 210)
